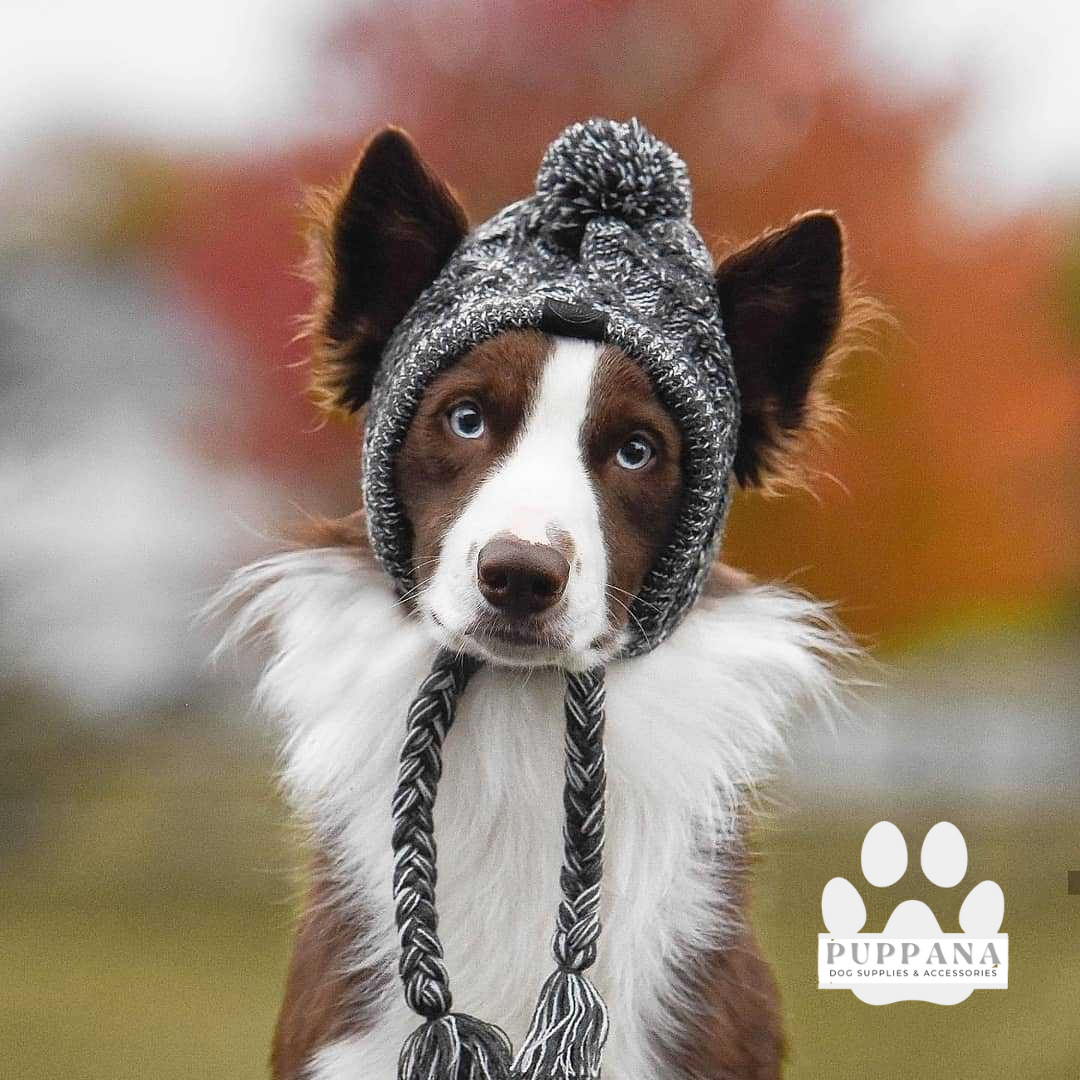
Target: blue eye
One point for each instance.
(635, 453)
(466, 420)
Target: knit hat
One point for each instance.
(603, 250)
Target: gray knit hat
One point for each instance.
(605, 250)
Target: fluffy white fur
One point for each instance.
(690, 726)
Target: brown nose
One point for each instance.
(520, 578)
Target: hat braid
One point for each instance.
(583, 832)
(451, 1046)
(570, 1026)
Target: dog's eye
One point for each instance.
(466, 420)
(635, 453)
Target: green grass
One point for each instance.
(145, 909)
(146, 901)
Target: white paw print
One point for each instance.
(944, 861)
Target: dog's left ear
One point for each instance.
(781, 299)
(377, 243)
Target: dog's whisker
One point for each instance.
(629, 612)
(633, 596)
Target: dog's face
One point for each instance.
(542, 476)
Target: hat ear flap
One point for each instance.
(781, 299)
(377, 242)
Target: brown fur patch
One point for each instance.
(348, 533)
(324, 998)
(436, 471)
(724, 580)
(735, 1031)
(637, 507)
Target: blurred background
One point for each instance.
(154, 434)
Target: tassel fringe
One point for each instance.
(455, 1047)
(568, 1031)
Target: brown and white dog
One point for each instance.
(541, 476)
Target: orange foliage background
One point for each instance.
(948, 491)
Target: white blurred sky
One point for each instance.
(199, 70)
(241, 72)
(1019, 134)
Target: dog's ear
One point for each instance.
(376, 243)
(781, 298)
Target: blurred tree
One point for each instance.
(952, 486)
(1070, 285)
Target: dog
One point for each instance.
(539, 478)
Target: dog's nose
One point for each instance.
(520, 578)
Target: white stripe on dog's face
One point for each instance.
(540, 492)
(541, 478)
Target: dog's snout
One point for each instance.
(520, 578)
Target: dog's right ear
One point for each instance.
(376, 243)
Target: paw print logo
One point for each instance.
(912, 930)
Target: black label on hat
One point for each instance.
(573, 320)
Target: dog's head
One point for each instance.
(541, 476)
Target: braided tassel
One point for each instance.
(455, 1047)
(570, 1026)
(449, 1046)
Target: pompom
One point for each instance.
(604, 168)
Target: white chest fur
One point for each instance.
(689, 727)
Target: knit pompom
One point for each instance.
(604, 168)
